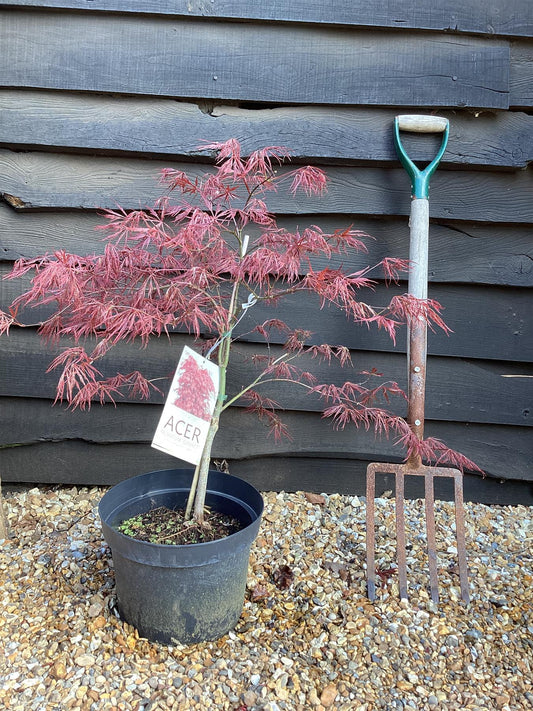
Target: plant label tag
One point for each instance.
(183, 427)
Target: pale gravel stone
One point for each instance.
(320, 643)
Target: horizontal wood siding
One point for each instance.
(296, 64)
(463, 390)
(44, 181)
(166, 128)
(521, 75)
(504, 313)
(96, 97)
(108, 433)
(491, 17)
(459, 253)
(73, 462)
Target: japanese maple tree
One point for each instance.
(199, 264)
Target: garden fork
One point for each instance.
(417, 355)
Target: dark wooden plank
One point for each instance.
(490, 17)
(156, 128)
(296, 64)
(348, 477)
(457, 389)
(35, 428)
(34, 233)
(521, 75)
(490, 323)
(459, 252)
(36, 181)
(341, 476)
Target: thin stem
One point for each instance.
(223, 359)
(192, 492)
(201, 489)
(260, 381)
(199, 483)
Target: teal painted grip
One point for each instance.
(419, 178)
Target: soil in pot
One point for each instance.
(168, 526)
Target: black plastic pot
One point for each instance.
(181, 594)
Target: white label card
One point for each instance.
(183, 427)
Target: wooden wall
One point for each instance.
(97, 96)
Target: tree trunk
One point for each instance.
(199, 501)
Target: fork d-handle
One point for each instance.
(420, 124)
(418, 256)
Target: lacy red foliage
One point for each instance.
(190, 264)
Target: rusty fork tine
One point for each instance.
(400, 535)
(430, 533)
(370, 532)
(460, 536)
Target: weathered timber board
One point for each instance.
(521, 74)
(36, 181)
(490, 17)
(348, 476)
(490, 323)
(457, 389)
(340, 476)
(158, 127)
(37, 427)
(171, 57)
(486, 323)
(460, 253)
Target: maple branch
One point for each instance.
(260, 380)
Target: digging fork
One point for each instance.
(417, 356)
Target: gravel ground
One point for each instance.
(308, 637)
